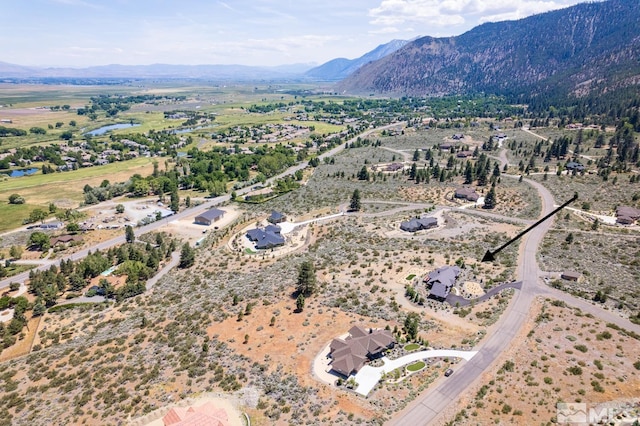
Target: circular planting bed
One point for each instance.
(416, 366)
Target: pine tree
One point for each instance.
(355, 204)
(306, 285)
(300, 303)
(187, 256)
(175, 201)
(130, 236)
(413, 171)
(490, 199)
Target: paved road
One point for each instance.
(427, 408)
(175, 259)
(105, 245)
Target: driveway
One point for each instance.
(369, 376)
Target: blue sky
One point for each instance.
(79, 33)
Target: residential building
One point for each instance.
(276, 217)
(627, 215)
(441, 281)
(350, 354)
(468, 194)
(418, 224)
(207, 414)
(64, 239)
(570, 275)
(266, 238)
(574, 165)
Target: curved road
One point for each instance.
(428, 406)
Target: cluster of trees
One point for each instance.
(107, 191)
(113, 104)
(10, 131)
(480, 171)
(138, 261)
(9, 331)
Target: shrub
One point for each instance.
(581, 348)
(16, 199)
(575, 370)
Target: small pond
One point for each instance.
(22, 172)
(104, 129)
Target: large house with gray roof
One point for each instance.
(266, 238)
(350, 354)
(418, 224)
(441, 281)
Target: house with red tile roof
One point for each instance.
(204, 415)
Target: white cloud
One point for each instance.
(449, 15)
(385, 30)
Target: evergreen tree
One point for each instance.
(130, 236)
(363, 174)
(306, 285)
(187, 256)
(413, 171)
(468, 174)
(411, 326)
(355, 204)
(490, 199)
(300, 303)
(175, 201)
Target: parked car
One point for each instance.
(448, 372)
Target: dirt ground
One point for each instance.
(293, 342)
(562, 356)
(185, 229)
(24, 343)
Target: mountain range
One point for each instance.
(214, 72)
(588, 49)
(585, 49)
(339, 68)
(334, 70)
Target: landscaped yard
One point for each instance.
(416, 366)
(410, 277)
(411, 347)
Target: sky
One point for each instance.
(81, 33)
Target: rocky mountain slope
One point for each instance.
(587, 48)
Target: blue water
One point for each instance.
(109, 271)
(104, 129)
(23, 172)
